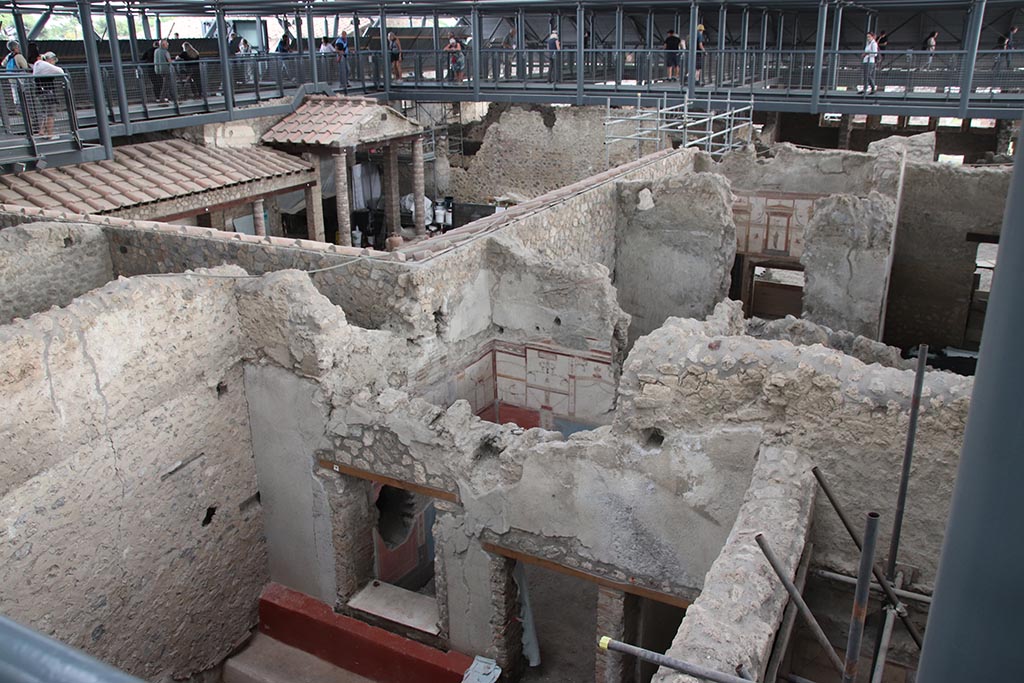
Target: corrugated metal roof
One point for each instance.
(340, 122)
(145, 173)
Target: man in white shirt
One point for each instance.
(44, 70)
(868, 57)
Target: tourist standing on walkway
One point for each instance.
(15, 63)
(162, 71)
(673, 44)
(1007, 45)
(456, 59)
(325, 46)
(699, 48)
(395, 55)
(883, 45)
(45, 71)
(341, 48)
(930, 44)
(190, 69)
(868, 59)
(554, 46)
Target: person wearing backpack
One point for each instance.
(14, 62)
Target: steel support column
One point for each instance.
(819, 55)
(744, 43)
(974, 624)
(158, 27)
(764, 45)
(436, 35)
(92, 58)
(19, 26)
(311, 42)
(226, 76)
(837, 34)
(474, 20)
(649, 43)
(147, 33)
(521, 44)
(620, 40)
(385, 64)
(972, 39)
(723, 18)
(116, 65)
(691, 52)
(580, 52)
(261, 36)
(133, 37)
(780, 30)
(40, 25)
(355, 45)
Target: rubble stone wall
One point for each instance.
(129, 522)
(675, 248)
(847, 417)
(567, 144)
(49, 264)
(735, 619)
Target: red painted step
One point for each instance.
(305, 623)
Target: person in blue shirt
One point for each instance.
(341, 47)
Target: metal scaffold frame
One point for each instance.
(716, 132)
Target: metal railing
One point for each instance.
(36, 114)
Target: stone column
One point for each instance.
(617, 618)
(418, 186)
(258, 223)
(392, 208)
(344, 236)
(314, 202)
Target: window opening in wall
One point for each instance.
(890, 120)
(955, 159)
(403, 590)
(985, 266)
(950, 122)
(983, 123)
(776, 291)
(919, 120)
(404, 539)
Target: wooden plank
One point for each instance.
(633, 589)
(428, 491)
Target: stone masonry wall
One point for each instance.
(675, 248)
(735, 619)
(849, 418)
(129, 523)
(566, 144)
(792, 169)
(49, 264)
(933, 266)
(846, 259)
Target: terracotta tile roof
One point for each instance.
(145, 173)
(340, 122)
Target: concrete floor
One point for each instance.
(565, 610)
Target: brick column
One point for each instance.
(392, 209)
(314, 202)
(353, 518)
(617, 616)
(258, 224)
(418, 186)
(344, 236)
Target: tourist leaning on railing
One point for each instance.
(46, 74)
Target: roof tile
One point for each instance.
(144, 173)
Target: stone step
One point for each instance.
(265, 660)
